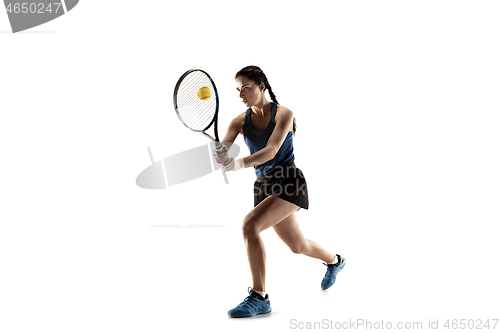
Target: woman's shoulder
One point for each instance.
(283, 111)
(239, 121)
(284, 114)
(241, 115)
(240, 118)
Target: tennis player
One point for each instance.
(279, 190)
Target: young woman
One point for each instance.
(279, 191)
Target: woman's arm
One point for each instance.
(235, 127)
(283, 121)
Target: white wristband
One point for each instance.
(238, 164)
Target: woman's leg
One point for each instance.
(268, 213)
(289, 232)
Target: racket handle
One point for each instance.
(218, 147)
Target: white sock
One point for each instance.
(261, 293)
(335, 260)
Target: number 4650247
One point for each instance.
(33, 8)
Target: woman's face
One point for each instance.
(250, 92)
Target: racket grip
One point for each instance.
(218, 147)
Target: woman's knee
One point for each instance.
(297, 248)
(249, 226)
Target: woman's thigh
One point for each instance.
(268, 213)
(289, 232)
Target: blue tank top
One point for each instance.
(257, 139)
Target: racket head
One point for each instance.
(195, 113)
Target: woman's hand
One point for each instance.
(232, 165)
(220, 155)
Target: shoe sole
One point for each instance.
(256, 314)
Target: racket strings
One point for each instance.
(194, 112)
(205, 113)
(189, 86)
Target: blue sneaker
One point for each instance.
(331, 273)
(253, 305)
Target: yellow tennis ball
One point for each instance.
(204, 93)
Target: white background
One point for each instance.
(398, 113)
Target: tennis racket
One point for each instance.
(196, 103)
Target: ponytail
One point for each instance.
(273, 98)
